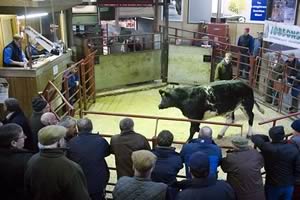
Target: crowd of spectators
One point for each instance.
(64, 159)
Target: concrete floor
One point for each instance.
(146, 103)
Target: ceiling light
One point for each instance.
(29, 16)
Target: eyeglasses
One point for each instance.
(22, 137)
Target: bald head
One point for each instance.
(126, 124)
(205, 132)
(49, 118)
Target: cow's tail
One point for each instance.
(260, 109)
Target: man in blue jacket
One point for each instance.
(168, 161)
(13, 56)
(206, 145)
(202, 186)
(89, 151)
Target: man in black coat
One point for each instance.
(202, 186)
(282, 163)
(16, 115)
(89, 151)
(39, 107)
(13, 159)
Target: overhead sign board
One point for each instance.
(125, 3)
(258, 10)
(284, 34)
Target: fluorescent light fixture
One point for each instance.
(30, 16)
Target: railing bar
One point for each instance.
(161, 118)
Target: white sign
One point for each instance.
(3, 90)
(279, 33)
(55, 70)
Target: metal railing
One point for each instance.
(153, 141)
(158, 118)
(87, 74)
(273, 82)
(178, 33)
(125, 43)
(72, 89)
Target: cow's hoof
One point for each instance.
(220, 137)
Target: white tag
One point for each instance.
(55, 70)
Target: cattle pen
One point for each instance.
(142, 107)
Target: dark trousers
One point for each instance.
(279, 192)
(97, 196)
(244, 67)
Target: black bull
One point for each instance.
(217, 98)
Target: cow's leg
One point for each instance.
(229, 119)
(247, 108)
(232, 117)
(193, 129)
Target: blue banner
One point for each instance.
(258, 10)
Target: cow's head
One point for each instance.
(166, 99)
(171, 97)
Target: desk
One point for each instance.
(26, 83)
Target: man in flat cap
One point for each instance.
(295, 139)
(282, 163)
(39, 107)
(13, 160)
(140, 185)
(13, 56)
(201, 186)
(49, 174)
(243, 167)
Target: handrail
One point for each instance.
(274, 120)
(157, 118)
(197, 32)
(61, 95)
(174, 142)
(127, 35)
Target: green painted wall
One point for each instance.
(116, 70)
(186, 65)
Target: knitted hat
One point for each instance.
(199, 161)
(296, 125)
(51, 134)
(38, 104)
(276, 133)
(240, 142)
